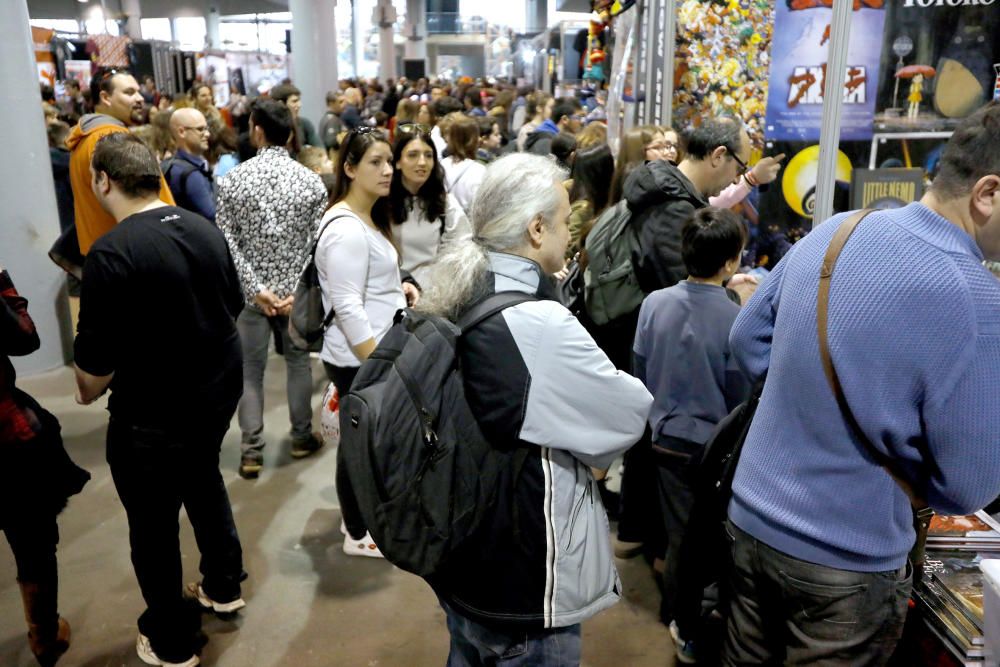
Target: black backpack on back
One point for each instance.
(186, 169)
(422, 474)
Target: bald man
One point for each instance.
(188, 173)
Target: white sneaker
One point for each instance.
(364, 547)
(194, 591)
(146, 654)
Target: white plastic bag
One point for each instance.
(330, 416)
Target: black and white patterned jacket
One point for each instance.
(269, 208)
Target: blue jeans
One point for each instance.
(475, 645)
(788, 611)
(255, 335)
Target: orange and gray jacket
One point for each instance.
(92, 221)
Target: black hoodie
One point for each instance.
(661, 200)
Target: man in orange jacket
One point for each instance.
(118, 105)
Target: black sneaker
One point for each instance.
(303, 448)
(250, 467)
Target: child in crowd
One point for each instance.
(682, 355)
(316, 159)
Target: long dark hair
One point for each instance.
(593, 169)
(431, 194)
(352, 151)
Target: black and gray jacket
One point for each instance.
(661, 200)
(535, 379)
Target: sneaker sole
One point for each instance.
(303, 454)
(250, 471)
(208, 604)
(150, 658)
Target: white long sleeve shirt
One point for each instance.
(359, 275)
(420, 240)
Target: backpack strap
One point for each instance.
(330, 315)
(490, 306)
(170, 164)
(822, 317)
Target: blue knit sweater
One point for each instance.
(914, 329)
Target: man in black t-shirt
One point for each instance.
(158, 305)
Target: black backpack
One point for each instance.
(180, 196)
(422, 474)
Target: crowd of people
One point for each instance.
(193, 230)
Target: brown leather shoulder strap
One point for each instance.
(837, 244)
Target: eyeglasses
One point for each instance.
(413, 128)
(741, 163)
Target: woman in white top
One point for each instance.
(462, 173)
(426, 219)
(358, 270)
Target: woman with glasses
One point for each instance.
(426, 219)
(462, 173)
(358, 267)
(639, 145)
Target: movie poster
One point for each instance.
(798, 70)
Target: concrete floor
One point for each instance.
(308, 604)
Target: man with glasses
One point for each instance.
(187, 172)
(118, 105)
(663, 197)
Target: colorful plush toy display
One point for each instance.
(723, 54)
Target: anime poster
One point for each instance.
(798, 70)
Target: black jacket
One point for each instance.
(661, 200)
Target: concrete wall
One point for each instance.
(30, 220)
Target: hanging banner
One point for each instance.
(798, 70)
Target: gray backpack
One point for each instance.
(308, 321)
(611, 285)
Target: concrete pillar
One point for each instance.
(212, 16)
(31, 223)
(133, 12)
(357, 38)
(314, 53)
(384, 16)
(416, 31)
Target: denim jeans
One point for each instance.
(787, 611)
(255, 335)
(155, 473)
(475, 645)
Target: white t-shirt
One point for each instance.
(462, 179)
(359, 275)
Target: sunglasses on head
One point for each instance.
(413, 128)
(110, 72)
